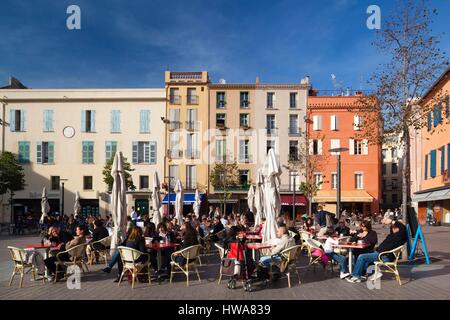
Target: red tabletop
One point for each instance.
(253, 237)
(351, 245)
(258, 246)
(40, 246)
(162, 246)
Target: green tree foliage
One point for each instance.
(12, 177)
(109, 180)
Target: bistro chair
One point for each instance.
(221, 256)
(21, 267)
(190, 254)
(304, 236)
(316, 260)
(288, 262)
(129, 257)
(390, 266)
(103, 253)
(76, 258)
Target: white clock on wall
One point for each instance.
(69, 132)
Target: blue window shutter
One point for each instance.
(144, 121)
(141, 121)
(92, 120)
(50, 120)
(107, 151)
(429, 120)
(134, 152)
(147, 152)
(115, 121)
(447, 107)
(440, 112)
(39, 152)
(45, 121)
(433, 163)
(22, 120)
(148, 120)
(51, 152)
(12, 120)
(153, 153)
(426, 167)
(21, 152)
(442, 159)
(113, 148)
(83, 121)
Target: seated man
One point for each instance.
(100, 232)
(284, 242)
(216, 228)
(395, 239)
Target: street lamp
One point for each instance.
(338, 196)
(62, 195)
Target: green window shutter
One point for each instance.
(115, 121)
(39, 152)
(107, 151)
(429, 120)
(22, 120)
(442, 159)
(48, 120)
(12, 120)
(83, 121)
(426, 167)
(134, 152)
(92, 120)
(91, 152)
(21, 151)
(84, 152)
(88, 152)
(144, 121)
(24, 152)
(153, 155)
(51, 152)
(433, 163)
(113, 148)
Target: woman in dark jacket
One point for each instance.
(136, 241)
(189, 238)
(369, 237)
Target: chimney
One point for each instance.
(257, 80)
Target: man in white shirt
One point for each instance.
(133, 214)
(284, 242)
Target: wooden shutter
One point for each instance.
(92, 121)
(39, 152)
(22, 120)
(365, 147)
(433, 163)
(51, 152)
(153, 154)
(319, 146)
(134, 152)
(12, 120)
(351, 146)
(83, 120)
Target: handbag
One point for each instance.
(229, 266)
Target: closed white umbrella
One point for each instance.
(178, 201)
(197, 203)
(259, 198)
(272, 201)
(119, 202)
(77, 205)
(45, 206)
(156, 200)
(251, 199)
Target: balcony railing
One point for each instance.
(223, 159)
(238, 188)
(294, 130)
(175, 99)
(174, 125)
(192, 125)
(246, 159)
(221, 125)
(192, 154)
(244, 126)
(271, 131)
(221, 104)
(185, 75)
(245, 103)
(192, 99)
(174, 154)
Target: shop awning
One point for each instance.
(188, 198)
(432, 195)
(346, 196)
(300, 200)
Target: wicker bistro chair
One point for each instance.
(76, 255)
(129, 257)
(21, 267)
(288, 262)
(103, 253)
(221, 256)
(191, 255)
(316, 260)
(390, 266)
(304, 236)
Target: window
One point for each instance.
(384, 168)
(174, 119)
(270, 124)
(244, 120)
(48, 120)
(192, 146)
(334, 123)
(429, 120)
(115, 121)
(45, 152)
(192, 97)
(174, 145)
(220, 150)
(357, 122)
(110, 150)
(144, 121)
(358, 147)
(270, 144)
(270, 96)
(394, 198)
(17, 120)
(394, 153)
(394, 183)
(191, 177)
(433, 154)
(221, 120)
(244, 178)
(143, 182)
(317, 123)
(293, 150)
(87, 183)
(383, 153)
(293, 124)
(88, 121)
(315, 147)
(191, 123)
(144, 152)
(220, 100)
(244, 100)
(318, 179)
(55, 181)
(359, 180)
(394, 168)
(294, 180)
(88, 152)
(175, 96)
(244, 151)
(24, 152)
(437, 115)
(335, 143)
(293, 100)
(334, 180)
(174, 173)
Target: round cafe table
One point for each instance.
(159, 247)
(43, 247)
(253, 237)
(350, 246)
(256, 246)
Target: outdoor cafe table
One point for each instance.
(159, 247)
(253, 237)
(256, 246)
(45, 247)
(350, 246)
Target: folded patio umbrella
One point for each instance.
(178, 201)
(156, 200)
(77, 205)
(251, 199)
(196, 205)
(259, 198)
(45, 206)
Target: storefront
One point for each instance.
(287, 203)
(434, 203)
(188, 201)
(351, 201)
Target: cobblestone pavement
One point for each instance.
(420, 281)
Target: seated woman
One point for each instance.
(164, 235)
(366, 234)
(189, 238)
(309, 223)
(216, 228)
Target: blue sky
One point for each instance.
(131, 43)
